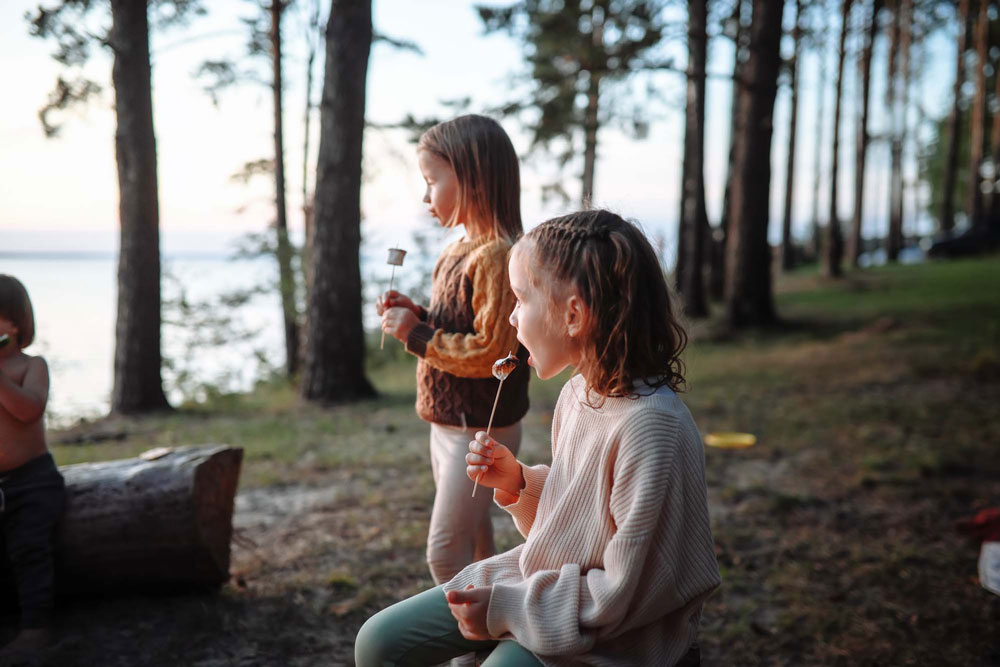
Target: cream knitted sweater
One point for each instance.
(619, 554)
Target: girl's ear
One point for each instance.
(576, 314)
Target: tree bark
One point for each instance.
(955, 120)
(978, 122)
(817, 153)
(591, 119)
(894, 237)
(995, 146)
(286, 276)
(834, 251)
(148, 524)
(861, 154)
(717, 275)
(749, 295)
(335, 350)
(693, 215)
(787, 245)
(138, 384)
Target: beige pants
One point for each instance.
(460, 531)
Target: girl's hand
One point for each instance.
(469, 609)
(399, 322)
(497, 465)
(393, 299)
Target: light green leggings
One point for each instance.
(421, 631)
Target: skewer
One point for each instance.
(392, 277)
(500, 372)
(396, 256)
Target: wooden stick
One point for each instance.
(381, 345)
(488, 427)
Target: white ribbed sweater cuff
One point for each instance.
(523, 509)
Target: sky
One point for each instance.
(61, 194)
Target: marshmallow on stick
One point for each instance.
(502, 368)
(395, 259)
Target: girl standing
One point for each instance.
(619, 556)
(473, 182)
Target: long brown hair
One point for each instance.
(486, 166)
(633, 332)
(16, 307)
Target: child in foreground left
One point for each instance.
(32, 491)
(619, 556)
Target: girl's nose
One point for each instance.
(427, 196)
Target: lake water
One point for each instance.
(74, 293)
(74, 299)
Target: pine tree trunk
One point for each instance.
(955, 120)
(286, 276)
(861, 154)
(335, 350)
(693, 219)
(978, 122)
(894, 236)
(749, 295)
(817, 235)
(590, 141)
(834, 251)
(717, 275)
(995, 147)
(787, 245)
(307, 204)
(138, 385)
(591, 119)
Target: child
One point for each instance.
(473, 181)
(619, 556)
(32, 493)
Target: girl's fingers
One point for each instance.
(476, 459)
(484, 439)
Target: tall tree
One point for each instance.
(734, 27)
(335, 350)
(863, 137)
(313, 35)
(894, 243)
(978, 121)
(834, 251)
(821, 49)
(995, 143)
(897, 117)
(749, 291)
(576, 52)
(694, 219)
(138, 384)
(947, 219)
(287, 278)
(787, 245)
(265, 42)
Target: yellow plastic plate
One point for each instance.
(731, 440)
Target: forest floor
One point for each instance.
(876, 408)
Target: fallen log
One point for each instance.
(162, 521)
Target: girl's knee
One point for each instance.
(445, 562)
(372, 647)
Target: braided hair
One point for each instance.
(634, 333)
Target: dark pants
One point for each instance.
(32, 500)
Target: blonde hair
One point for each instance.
(16, 307)
(486, 166)
(633, 333)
